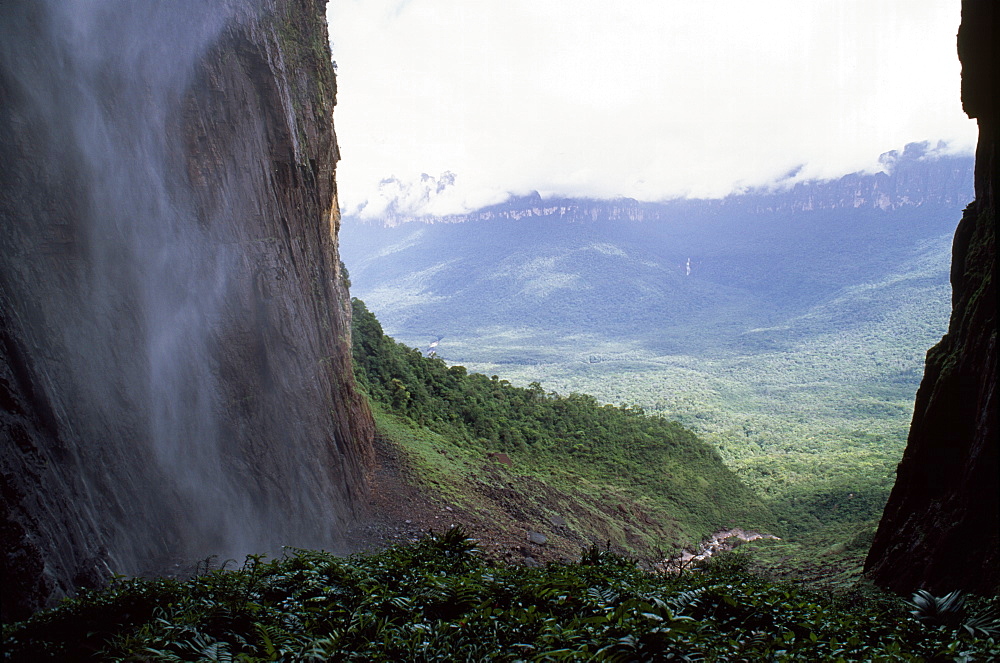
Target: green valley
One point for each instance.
(588, 472)
(787, 329)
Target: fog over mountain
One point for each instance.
(683, 275)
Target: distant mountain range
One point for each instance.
(683, 276)
(916, 176)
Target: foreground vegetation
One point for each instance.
(439, 600)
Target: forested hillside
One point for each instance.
(618, 459)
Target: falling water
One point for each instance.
(120, 280)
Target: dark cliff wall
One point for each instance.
(941, 527)
(175, 370)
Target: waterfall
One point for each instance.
(149, 302)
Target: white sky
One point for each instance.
(650, 99)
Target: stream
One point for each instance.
(720, 541)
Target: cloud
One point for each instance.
(398, 197)
(650, 99)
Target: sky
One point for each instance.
(448, 105)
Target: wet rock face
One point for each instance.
(175, 370)
(941, 527)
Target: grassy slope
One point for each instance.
(610, 473)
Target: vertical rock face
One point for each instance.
(941, 527)
(175, 373)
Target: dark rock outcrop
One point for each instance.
(941, 527)
(175, 373)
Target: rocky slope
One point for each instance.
(941, 526)
(174, 326)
